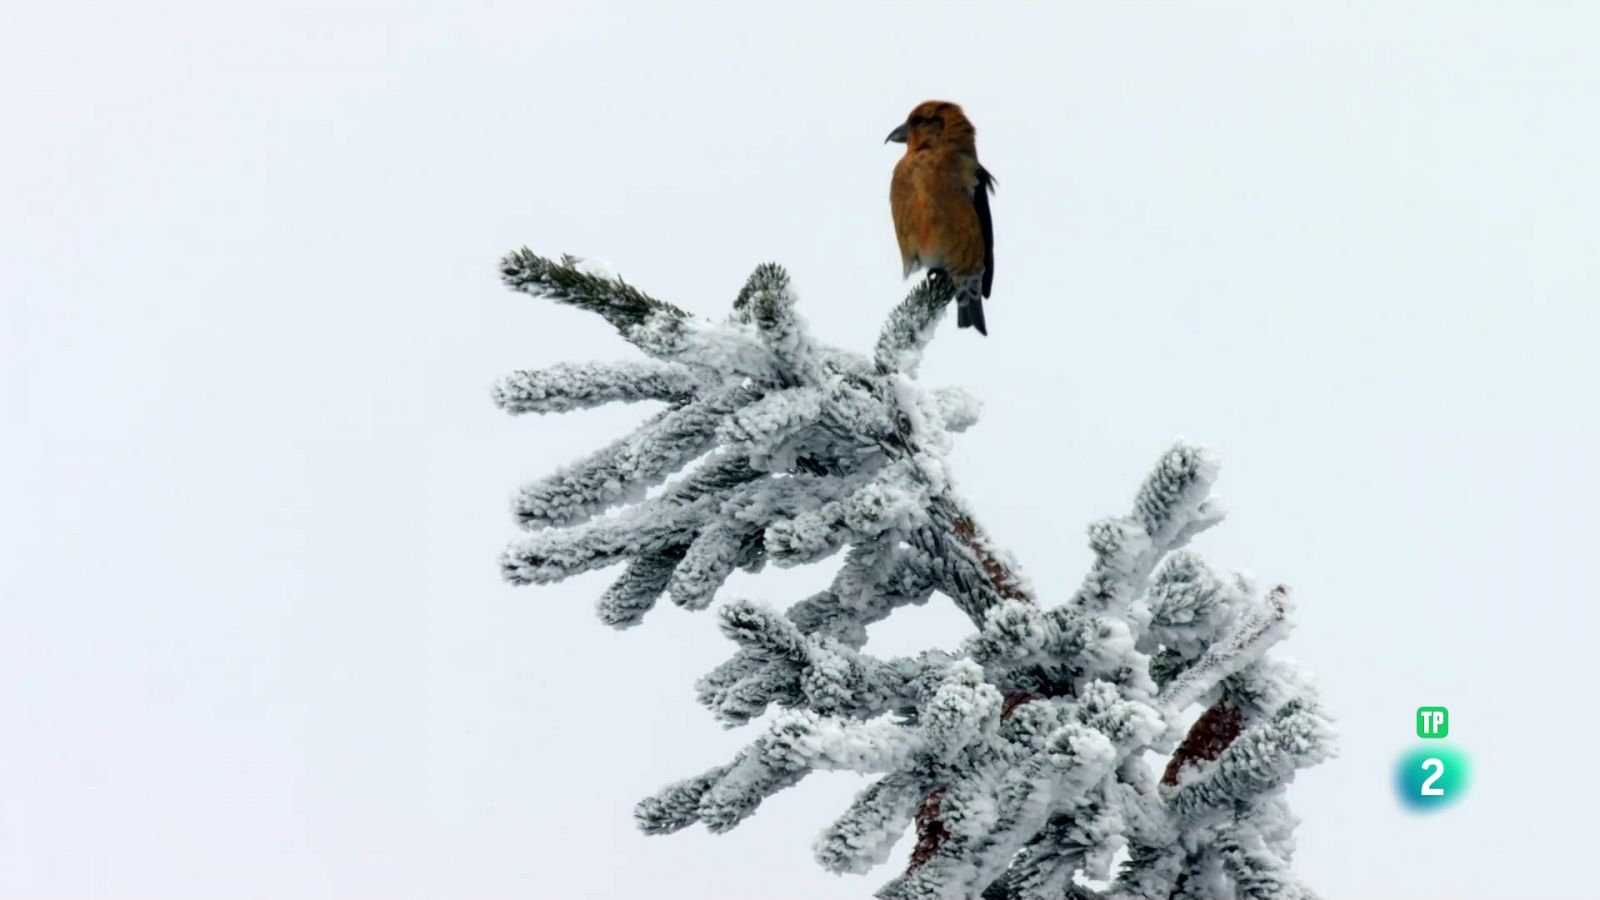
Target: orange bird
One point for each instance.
(940, 199)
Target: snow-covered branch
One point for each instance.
(1019, 757)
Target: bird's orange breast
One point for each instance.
(935, 221)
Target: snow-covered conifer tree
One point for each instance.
(1059, 735)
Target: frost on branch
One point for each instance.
(1024, 761)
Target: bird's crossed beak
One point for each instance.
(898, 135)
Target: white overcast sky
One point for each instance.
(254, 640)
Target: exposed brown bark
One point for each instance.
(1004, 581)
(1014, 699)
(1212, 733)
(931, 832)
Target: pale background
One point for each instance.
(254, 641)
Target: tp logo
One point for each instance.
(1433, 722)
(1430, 777)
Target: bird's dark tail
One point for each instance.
(969, 314)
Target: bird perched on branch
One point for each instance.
(940, 199)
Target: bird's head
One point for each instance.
(933, 123)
